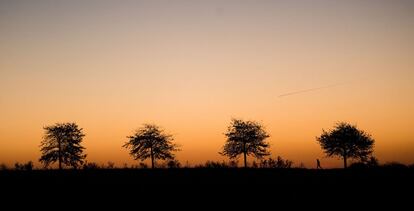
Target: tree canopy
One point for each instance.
(62, 143)
(150, 141)
(247, 138)
(346, 141)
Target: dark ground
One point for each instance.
(213, 186)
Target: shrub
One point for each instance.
(279, 162)
(24, 166)
(90, 166)
(173, 164)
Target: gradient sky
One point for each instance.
(191, 66)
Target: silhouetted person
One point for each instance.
(318, 164)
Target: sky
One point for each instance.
(191, 66)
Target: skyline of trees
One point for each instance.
(62, 144)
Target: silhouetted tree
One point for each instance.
(346, 141)
(151, 142)
(62, 143)
(247, 138)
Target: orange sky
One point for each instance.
(190, 66)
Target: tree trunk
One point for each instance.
(345, 164)
(245, 156)
(152, 159)
(245, 160)
(60, 154)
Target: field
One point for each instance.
(216, 185)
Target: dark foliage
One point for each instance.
(24, 166)
(371, 162)
(346, 141)
(279, 162)
(3, 167)
(62, 143)
(110, 165)
(394, 165)
(213, 164)
(90, 166)
(245, 138)
(150, 141)
(173, 164)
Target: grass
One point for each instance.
(217, 184)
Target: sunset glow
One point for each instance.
(297, 67)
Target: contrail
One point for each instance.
(307, 90)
